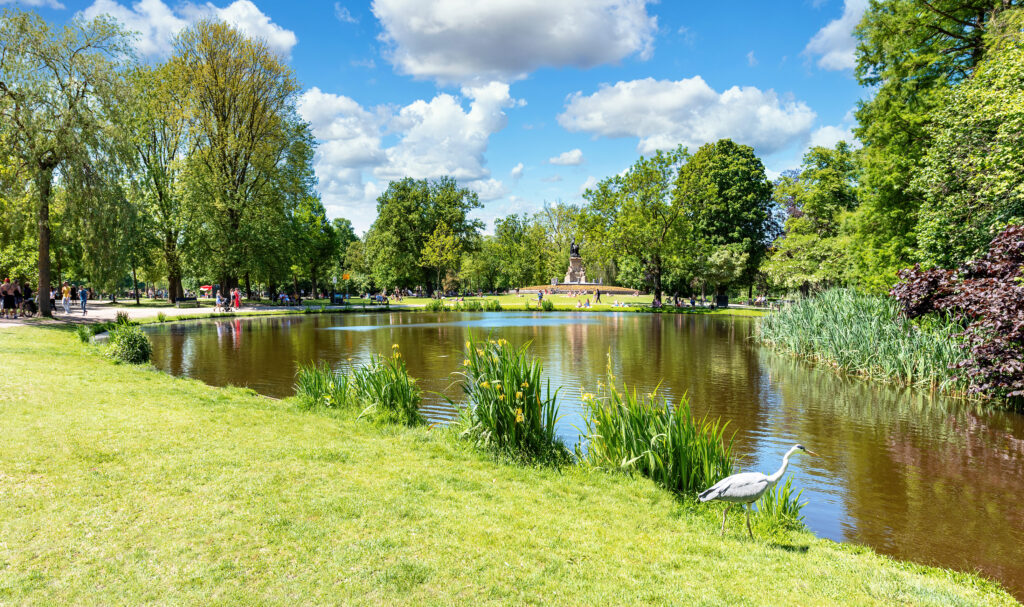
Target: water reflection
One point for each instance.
(930, 479)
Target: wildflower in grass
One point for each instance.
(501, 397)
(465, 363)
(519, 395)
(524, 385)
(394, 346)
(519, 415)
(485, 384)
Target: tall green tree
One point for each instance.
(641, 217)
(408, 213)
(727, 197)
(972, 176)
(244, 164)
(55, 85)
(909, 53)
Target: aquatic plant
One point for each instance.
(547, 305)
(84, 333)
(317, 385)
(436, 305)
(633, 432)
(508, 407)
(388, 392)
(121, 318)
(866, 335)
(161, 317)
(780, 507)
(492, 305)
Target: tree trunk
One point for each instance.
(313, 279)
(44, 182)
(174, 290)
(248, 286)
(135, 285)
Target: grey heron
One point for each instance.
(747, 487)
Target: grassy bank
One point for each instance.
(866, 335)
(122, 485)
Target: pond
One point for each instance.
(934, 480)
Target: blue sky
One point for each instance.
(528, 101)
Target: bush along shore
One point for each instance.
(134, 486)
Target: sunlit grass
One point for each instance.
(133, 487)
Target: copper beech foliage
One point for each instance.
(987, 297)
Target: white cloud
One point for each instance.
(47, 3)
(552, 179)
(343, 14)
(751, 59)
(828, 136)
(570, 158)
(469, 40)
(434, 138)
(517, 172)
(665, 113)
(834, 44)
(157, 24)
(588, 184)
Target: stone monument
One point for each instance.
(576, 274)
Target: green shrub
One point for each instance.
(84, 333)
(508, 409)
(866, 335)
(547, 305)
(780, 507)
(492, 305)
(161, 317)
(436, 305)
(323, 308)
(100, 327)
(129, 344)
(121, 318)
(316, 386)
(470, 306)
(307, 309)
(644, 433)
(387, 391)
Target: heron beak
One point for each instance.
(809, 452)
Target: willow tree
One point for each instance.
(241, 103)
(54, 87)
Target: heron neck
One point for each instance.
(782, 470)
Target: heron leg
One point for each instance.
(724, 514)
(748, 523)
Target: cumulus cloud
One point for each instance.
(463, 41)
(157, 24)
(589, 184)
(343, 14)
(570, 158)
(517, 172)
(834, 44)
(751, 59)
(665, 113)
(435, 137)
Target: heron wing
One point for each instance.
(743, 488)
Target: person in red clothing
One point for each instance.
(236, 298)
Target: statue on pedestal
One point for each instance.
(574, 249)
(576, 272)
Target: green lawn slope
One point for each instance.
(121, 485)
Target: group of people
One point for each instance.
(226, 304)
(15, 299)
(69, 294)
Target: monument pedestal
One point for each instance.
(576, 272)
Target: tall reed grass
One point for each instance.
(317, 386)
(508, 407)
(866, 335)
(628, 431)
(780, 507)
(387, 390)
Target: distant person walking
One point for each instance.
(83, 296)
(7, 299)
(237, 297)
(65, 298)
(597, 296)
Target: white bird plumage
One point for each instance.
(747, 487)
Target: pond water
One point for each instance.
(934, 480)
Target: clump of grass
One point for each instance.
(866, 335)
(307, 309)
(780, 507)
(508, 407)
(631, 432)
(129, 344)
(161, 317)
(470, 306)
(436, 305)
(547, 305)
(387, 390)
(323, 308)
(121, 318)
(492, 305)
(84, 333)
(317, 386)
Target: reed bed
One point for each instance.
(629, 431)
(866, 335)
(382, 387)
(508, 407)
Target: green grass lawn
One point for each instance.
(567, 303)
(122, 485)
